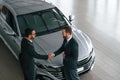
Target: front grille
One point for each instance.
(57, 72)
(80, 63)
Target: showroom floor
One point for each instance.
(99, 19)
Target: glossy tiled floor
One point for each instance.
(9, 66)
(99, 19)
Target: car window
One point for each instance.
(11, 22)
(50, 20)
(31, 21)
(59, 17)
(42, 21)
(8, 17)
(22, 23)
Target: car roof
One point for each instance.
(28, 6)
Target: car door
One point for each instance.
(10, 33)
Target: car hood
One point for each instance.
(51, 42)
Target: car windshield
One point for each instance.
(43, 22)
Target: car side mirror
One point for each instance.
(71, 17)
(10, 32)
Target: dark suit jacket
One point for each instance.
(71, 53)
(27, 56)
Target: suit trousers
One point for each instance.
(29, 72)
(71, 74)
(29, 75)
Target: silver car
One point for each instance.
(47, 20)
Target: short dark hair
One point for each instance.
(68, 29)
(28, 31)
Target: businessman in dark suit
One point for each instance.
(70, 49)
(28, 53)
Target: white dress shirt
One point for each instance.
(69, 39)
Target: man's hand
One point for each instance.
(51, 55)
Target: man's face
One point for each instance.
(33, 34)
(64, 33)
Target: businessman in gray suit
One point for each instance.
(28, 53)
(70, 49)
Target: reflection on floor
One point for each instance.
(9, 67)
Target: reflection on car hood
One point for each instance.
(51, 42)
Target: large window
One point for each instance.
(43, 21)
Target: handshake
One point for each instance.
(51, 55)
